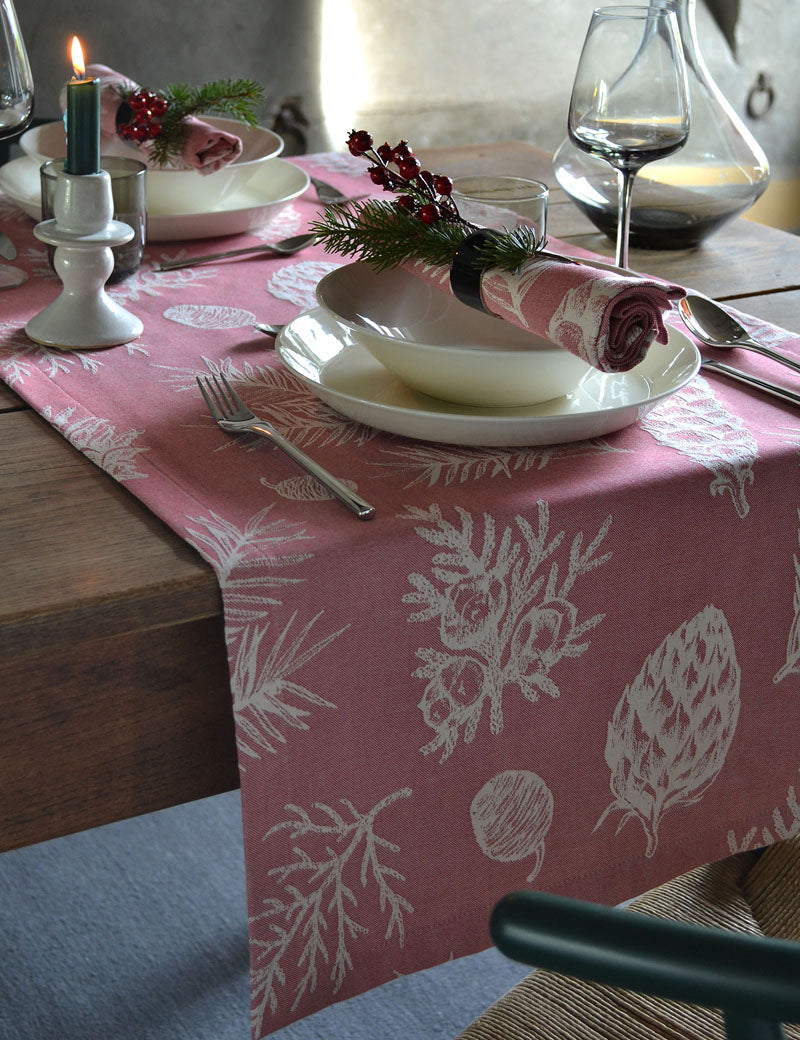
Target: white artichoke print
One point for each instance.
(209, 316)
(670, 732)
(304, 489)
(792, 665)
(694, 423)
(504, 615)
(297, 282)
(511, 815)
(337, 858)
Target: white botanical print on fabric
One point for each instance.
(99, 440)
(504, 613)
(287, 221)
(671, 731)
(792, 663)
(454, 465)
(780, 830)
(209, 316)
(147, 282)
(340, 162)
(297, 283)
(338, 862)
(275, 395)
(21, 358)
(304, 489)
(511, 815)
(694, 423)
(267, 699)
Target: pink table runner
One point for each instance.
(574, 667)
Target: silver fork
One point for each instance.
(234, 416)
(331, 196)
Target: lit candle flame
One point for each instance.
(78, 65)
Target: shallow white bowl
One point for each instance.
(175, 191)
(441, 347)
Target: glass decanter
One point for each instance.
(680, 200)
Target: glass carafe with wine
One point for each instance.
(630, 99)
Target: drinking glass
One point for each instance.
(16, 99)
(630, 99)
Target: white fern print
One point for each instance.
(694, 423)
(20, 358)
(209, 316)
(263, 690)
(147, 282)
(504, 613)
(671, 731)
(792, 663)
(452, 465)
(98, 439)
(297, 282)
(335, 854)
(304, 488)
(781, 829)
(234, 551)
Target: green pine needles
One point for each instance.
(385, 236)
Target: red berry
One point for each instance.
(401, 151)
(409, 168)
(126, 132)
(142, 117)
(385, 152)
(159, 105)
(406, 202)
(442, 185)
(359, 142)
(139, 133)
(426, 177)
(378, 175)
(137, 100)
(430, 213)
(155, 129)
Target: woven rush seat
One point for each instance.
(752, 892)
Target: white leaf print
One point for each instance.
(780, 831)
(286, 222)
(304, 489)
(208, 316)
(792, 665)
(452, 465)
(297, 282)
(511, 815)
(671, 731)
(339, 162)
(505, 619)
(693, 422)
(20, 357)
(334, 855)
(147, 282)
(99, 440)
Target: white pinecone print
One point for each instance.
(694, 423)
(670, 732)
(511, 815)
(792, 664)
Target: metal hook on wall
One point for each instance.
(761, 96)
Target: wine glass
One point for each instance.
(16, 100)
(630, 99)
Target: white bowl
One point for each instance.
(175, 191)
(441, 347)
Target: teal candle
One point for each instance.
(83, 119)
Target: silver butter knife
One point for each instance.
(7, 248)
(764, 385)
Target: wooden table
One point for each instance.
(113, 671)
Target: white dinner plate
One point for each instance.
(331, 362)
(269, 191)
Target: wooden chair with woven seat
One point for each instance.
(714, 938)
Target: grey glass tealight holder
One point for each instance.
(130, 206)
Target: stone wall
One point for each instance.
(435, 71)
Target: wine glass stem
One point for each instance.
(625, 187)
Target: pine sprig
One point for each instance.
(386, 236)
(237, 98)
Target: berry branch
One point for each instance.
(159, 116)
(421, 223)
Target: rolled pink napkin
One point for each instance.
(607, 319)
(205, 148)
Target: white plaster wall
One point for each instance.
(433, 71)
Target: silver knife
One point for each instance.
(755, 381)
(7, 248)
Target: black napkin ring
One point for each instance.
(467, 268)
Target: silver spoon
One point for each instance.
(267, 329)
(716, 328)
(285, 247)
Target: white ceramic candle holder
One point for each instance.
(83, 317)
